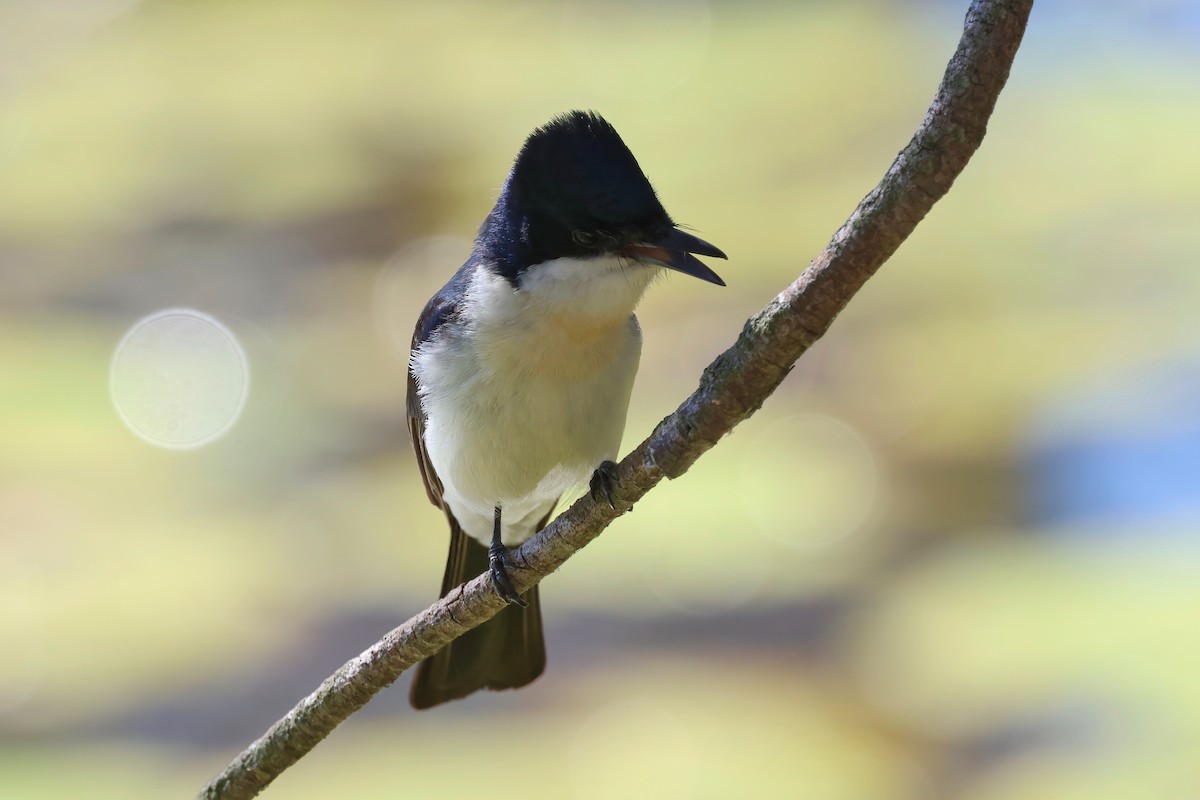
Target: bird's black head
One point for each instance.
(576, 191)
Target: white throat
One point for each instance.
(601, 289)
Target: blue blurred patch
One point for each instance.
(1124, 448)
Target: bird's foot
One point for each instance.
(604, 483)
(501, 582)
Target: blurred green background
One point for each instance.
(955, 556)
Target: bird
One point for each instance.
(521, 370)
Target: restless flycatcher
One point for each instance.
(521, 370)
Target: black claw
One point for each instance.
(498, 567)
(501, 582)
(604, 483)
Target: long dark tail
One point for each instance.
(505, 652)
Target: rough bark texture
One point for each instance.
(731, 389)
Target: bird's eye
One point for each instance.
(584, 238)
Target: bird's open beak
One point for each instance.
(674, 251)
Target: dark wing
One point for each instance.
(440, 309)
(508, 650)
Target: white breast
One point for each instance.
(527, 393)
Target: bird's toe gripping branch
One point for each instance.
(604, 483)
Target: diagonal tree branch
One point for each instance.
(731, 389)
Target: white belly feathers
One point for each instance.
(527, 391)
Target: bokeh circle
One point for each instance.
(179, 379)
(810, 481)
